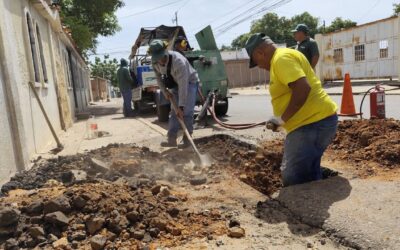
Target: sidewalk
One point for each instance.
(332, 90)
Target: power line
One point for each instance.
(277, 4)
(152, 9)
(223, 16)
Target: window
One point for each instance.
(359, 53)
(384, 49)
(338, 55)
(43, 63)
(33, 48)
(67, 70)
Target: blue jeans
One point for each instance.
(127, 107)
(188, 110)
(304, 148)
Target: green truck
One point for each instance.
(211, 69)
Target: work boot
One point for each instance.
(185, 142)
(171, 142)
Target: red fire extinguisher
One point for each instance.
(377, 102)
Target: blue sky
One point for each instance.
(193, 15)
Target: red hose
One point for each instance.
(226, 125)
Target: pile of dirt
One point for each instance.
(257, 166)
(102, 215)
(368, 144)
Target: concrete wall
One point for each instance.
(373, 36)
(100, 89)
(39, 59)
(239, 74)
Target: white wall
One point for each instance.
(370, 35)
(23, 123)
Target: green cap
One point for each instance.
(253, 42)
(301, 27)
(157, 50)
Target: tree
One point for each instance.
(106, 68)
(240, 41)
(337, 24)
(87, 19)
(279, 29)
(396, 9)
(225, 47)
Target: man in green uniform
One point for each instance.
(306, 45)
(126, 84)
(300, 106)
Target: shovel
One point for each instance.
(205, 159)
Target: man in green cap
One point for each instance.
(300, 106)
(305, 44)
(179, 80)
(126, 84)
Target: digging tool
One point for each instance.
(59, 145)
(205, 159)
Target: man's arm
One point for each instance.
(314, 61)
(314, 53)
(300, 91)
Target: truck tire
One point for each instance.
(222, 107)
(137, 106)
(163, 112)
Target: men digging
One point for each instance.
(179, 80)
(300, 105)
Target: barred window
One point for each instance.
(32, 41)
(384, 49)
(42, 59)
(338, 55)
(359, 53)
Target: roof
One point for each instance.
(161, 32)
(362, 25)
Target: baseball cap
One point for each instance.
(157, 50)
(301, 27)
(253, 42)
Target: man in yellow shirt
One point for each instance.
(300, 105)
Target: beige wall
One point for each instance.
(240, 75)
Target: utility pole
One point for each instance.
(175, 19)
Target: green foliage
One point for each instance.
(279, 29)
(87, 19)
(225, 47)
(396, 9)
(338, 24)
(106, 68)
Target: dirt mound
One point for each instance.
(368, 143)
(102, 215)
(259, 167)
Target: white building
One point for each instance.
(35, 48)
(366, 51)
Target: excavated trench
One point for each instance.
(123, 195)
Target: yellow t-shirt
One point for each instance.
(287, 66)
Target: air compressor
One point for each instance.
(377, 102)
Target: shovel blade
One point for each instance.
(205, 160)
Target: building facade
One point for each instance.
(35, 48)
(366, 51)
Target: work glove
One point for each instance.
(274, 123)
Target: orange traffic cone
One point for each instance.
(347, 107)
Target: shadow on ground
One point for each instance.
(304, 204)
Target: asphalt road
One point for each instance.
(257, 108)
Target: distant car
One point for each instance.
(211, 70)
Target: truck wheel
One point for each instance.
(137, 106)
(163, 112)
(221, 108)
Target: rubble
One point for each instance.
(370, 145)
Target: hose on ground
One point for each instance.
(223, 124)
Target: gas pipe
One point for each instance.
(377, 102)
